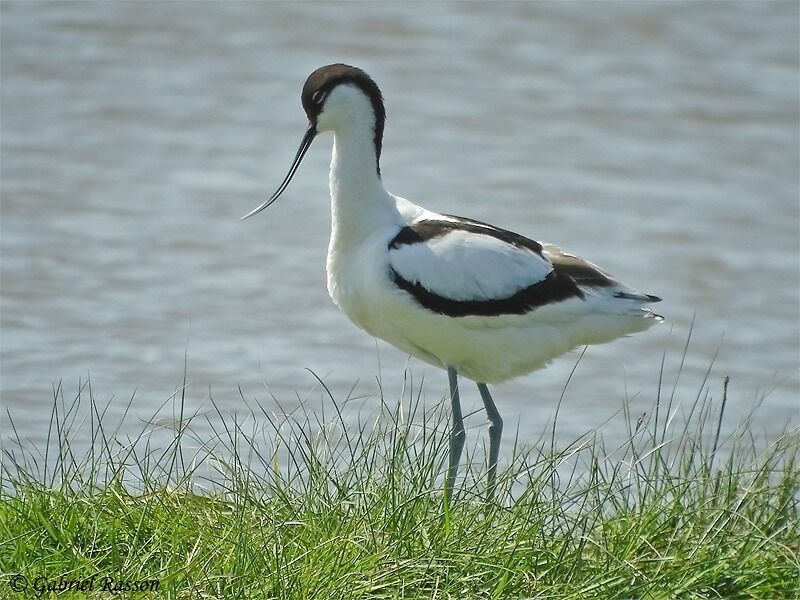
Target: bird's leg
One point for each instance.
(495, 433)
(456, 434)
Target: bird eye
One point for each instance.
(318, 97)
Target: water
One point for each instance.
(659, 140)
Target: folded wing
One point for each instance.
(459, 268)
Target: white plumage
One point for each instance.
(463, 266)
(463, 295)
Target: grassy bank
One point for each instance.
(320, 508)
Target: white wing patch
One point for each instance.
(464, 265)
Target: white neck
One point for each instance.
(359, 202)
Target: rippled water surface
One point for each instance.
(659, 140)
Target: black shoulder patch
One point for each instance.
(405, 237)
(422, 231)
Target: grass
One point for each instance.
(319, 508)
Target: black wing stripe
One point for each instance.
(553, 288)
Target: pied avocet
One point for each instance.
(471, 298)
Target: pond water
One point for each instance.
(657, 139)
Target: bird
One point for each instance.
(481, 302)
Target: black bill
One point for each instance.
(304, 146)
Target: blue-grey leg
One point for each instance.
(495, 433)
(456, 434)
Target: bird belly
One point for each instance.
(494, 349)
(478, 349)
(486, 354)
